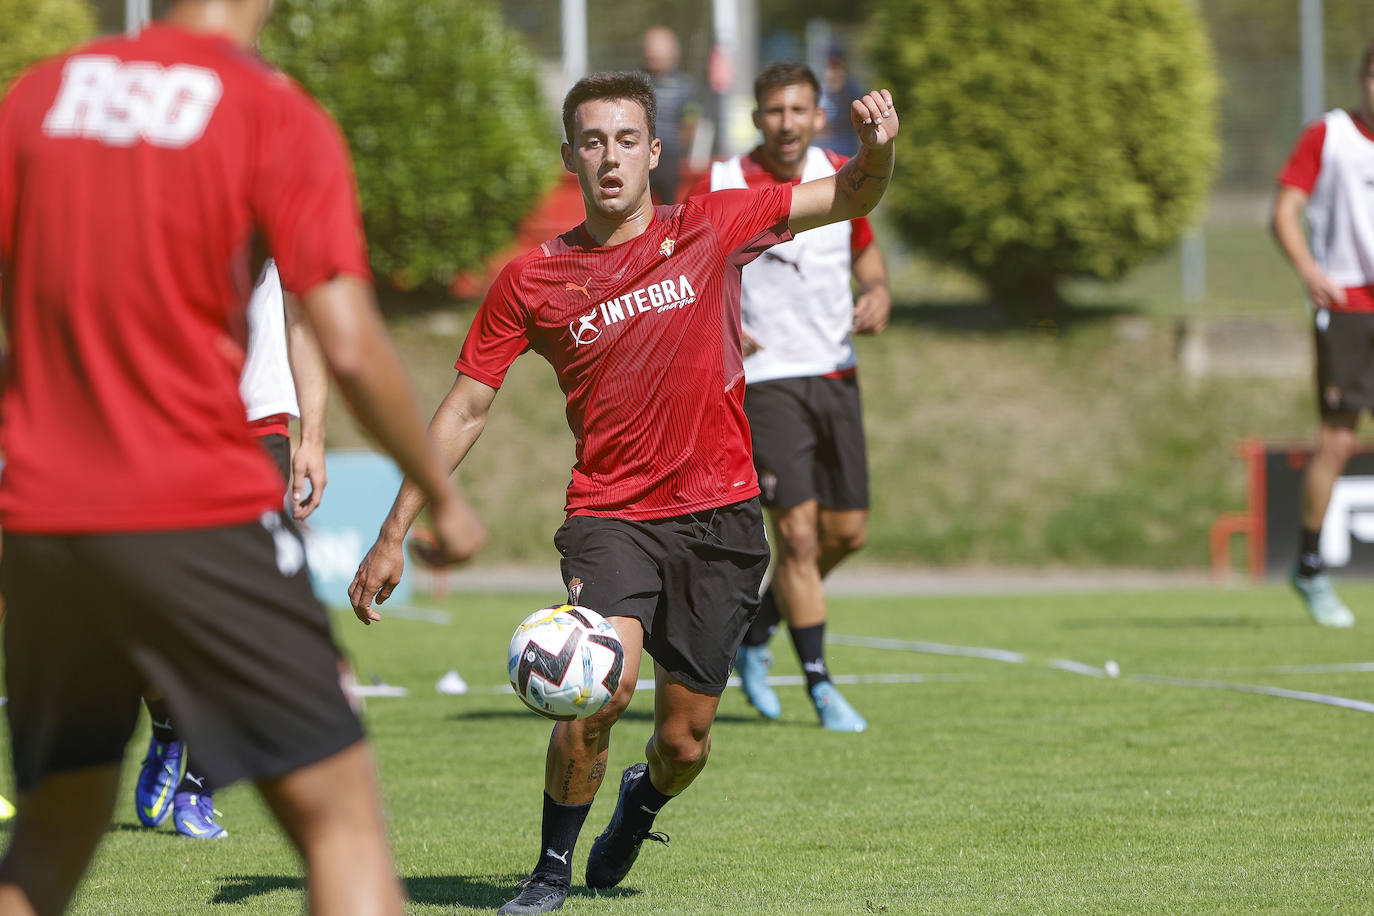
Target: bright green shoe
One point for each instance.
(1322, 602)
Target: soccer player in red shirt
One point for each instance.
(638, 311)
(145, 542)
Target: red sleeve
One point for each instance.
(1305, 162)
(499, 333)
(747, 222)
(860, 234)
(305, 200)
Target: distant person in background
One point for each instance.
(802, 391)
(284, 376)
(838, 89)
(678, 110)
(1328, 176)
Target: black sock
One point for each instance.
(161, 718)
(765, 621)
(1309, 553)
(810, 643)
(558, 833)
(193, 780)
(642, 804)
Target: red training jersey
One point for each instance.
(133, 175)
(756, 175)
(644, 337)
(1302, 170)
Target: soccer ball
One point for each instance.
(565, 662)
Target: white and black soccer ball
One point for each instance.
(565, 662)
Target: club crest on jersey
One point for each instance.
(666, 249)
(584, 329)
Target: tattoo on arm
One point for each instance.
(855, 178)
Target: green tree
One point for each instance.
(33, 29)
(442, 108)
(1049, 138)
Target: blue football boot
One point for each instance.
(835, 712)
(195, 816)
(752, 663)
(157, 781)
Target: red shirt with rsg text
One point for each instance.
(133, 175)
(644, 337)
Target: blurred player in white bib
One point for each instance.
(284, 378)
(802, 394)
(1330, 176)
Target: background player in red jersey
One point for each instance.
(1328, 176)
(802, 398)
(637, 310)
(144, 538)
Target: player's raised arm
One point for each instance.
(456, 425)
(859, 184)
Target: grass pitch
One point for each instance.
(987, 787)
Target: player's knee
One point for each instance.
(798, 545)
(601, 720)
(848, 540)
(681, 751)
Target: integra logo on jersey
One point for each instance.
(659, 297)
(122, 102)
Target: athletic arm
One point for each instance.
(1286, 223)
(457, 424)
(857, 187)
(368, 373)
(311, 376)
(873, 308)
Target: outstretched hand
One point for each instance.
(874, 118)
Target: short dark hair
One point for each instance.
(784, 73)
(630, 85)
(1368, 59)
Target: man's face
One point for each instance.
(611, 155)
(789, 117)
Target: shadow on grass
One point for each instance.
(238, 888)
(982, 317)
(484, 891)
(630, 715)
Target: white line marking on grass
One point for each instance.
(1322, 669)
(1073, 667)
(930, 648)
(1305, 696)
(377, 690)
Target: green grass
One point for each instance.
(992, 788)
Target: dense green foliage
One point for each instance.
(1063, 138)
(443, 111)
(985, 788)
(33, 29)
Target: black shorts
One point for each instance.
(809, 441)
(279, 447)
(691, 581)
(1345, 361)
(221, 621)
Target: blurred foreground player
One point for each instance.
(1329, 176)
(802, 398)
(637, 310)
(284, 377)
(144, 538)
